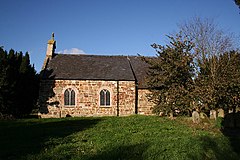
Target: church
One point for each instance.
(92, 85)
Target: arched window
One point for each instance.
(69, 97)
(104, 98)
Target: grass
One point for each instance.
(133, 137)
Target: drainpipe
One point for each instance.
(136, 97)
(117, 98)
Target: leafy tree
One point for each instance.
(170, 75)
(18, 83)
(228, 84)
(210, 44)
(237, 2)
(222, 89)
(205, 93)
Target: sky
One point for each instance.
(103, 27)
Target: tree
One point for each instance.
(208, 38)
(18, 84)
(210, 43)
(222, 90)
(237, 2)
(170, 75)
(228, 83)
(3, 80)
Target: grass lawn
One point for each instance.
(133, 137)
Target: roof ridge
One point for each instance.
(96, 55)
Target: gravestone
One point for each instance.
(213, 114)
(237, 109)
(220, 113)
(161, 114)
(202, 115)
(195, 117)
(204, 118)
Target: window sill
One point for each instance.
(105, 106)
(69, 106)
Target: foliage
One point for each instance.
(170, 75)
(18, 83)
(211, 52)
(237, 2)
(217, 84)
(228, 82)
(133, 137)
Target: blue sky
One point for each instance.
(109, 27)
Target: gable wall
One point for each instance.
(51, 99)
(144, 106)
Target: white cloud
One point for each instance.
(72, 51)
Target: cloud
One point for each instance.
(72, 51)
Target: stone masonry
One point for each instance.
(86, 76)
(87, 98)
(144, 106)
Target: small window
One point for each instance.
(104, 98)
(69, 97)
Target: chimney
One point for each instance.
(50, 51)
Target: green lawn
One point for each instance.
(133, 137)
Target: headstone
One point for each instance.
(213, 114)
(202, 115)
(161, 114)
(237, 109)
(220, 113)
(204, 118)
(195, 117)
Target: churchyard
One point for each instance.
(131, 137)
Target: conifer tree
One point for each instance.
(18, 83)
(3, 80)
(170, 75)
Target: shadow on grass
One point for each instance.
(231, 129)
(19, 138)
(214, 148)
(135, 151)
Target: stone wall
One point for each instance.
(144, 106)
(51, 99)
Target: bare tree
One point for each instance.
(209, 40)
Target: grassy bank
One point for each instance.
(134, 137)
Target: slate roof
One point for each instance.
(140, 69)
(96, 67)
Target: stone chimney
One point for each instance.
(50, 51)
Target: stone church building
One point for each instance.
(92, 85)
